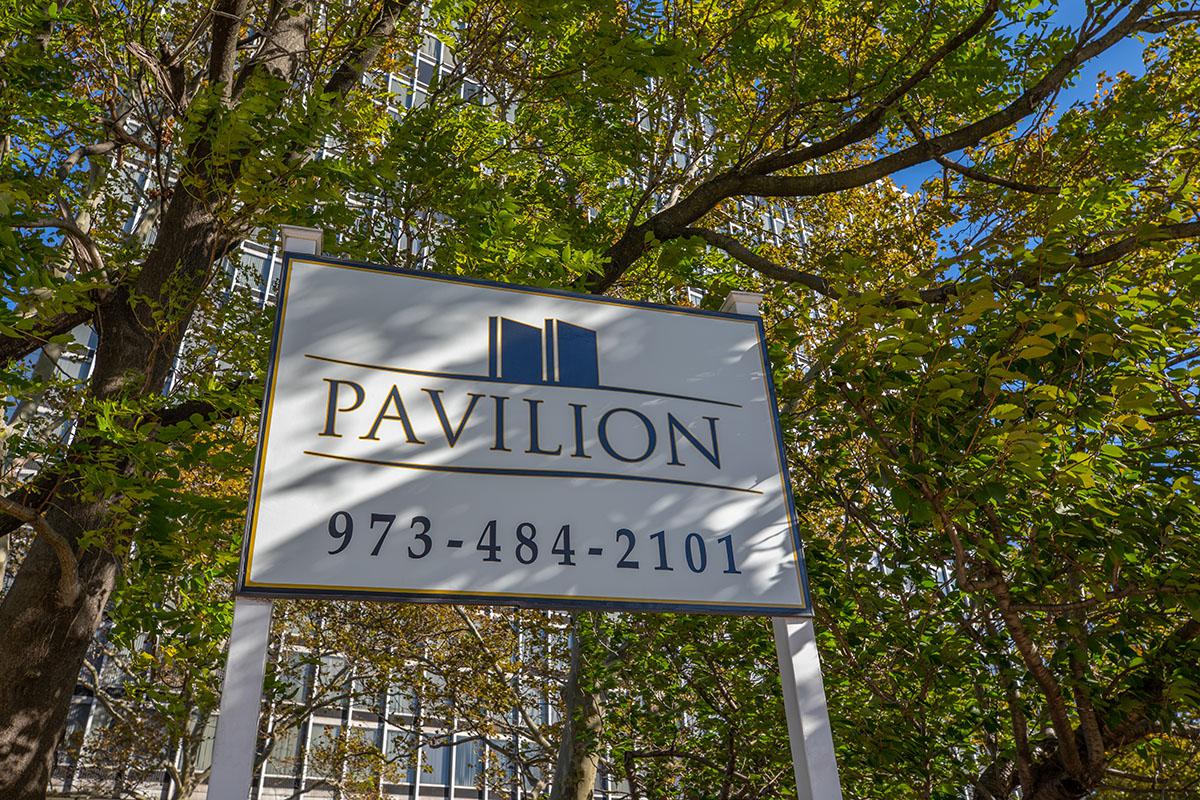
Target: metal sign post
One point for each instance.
(813, 757)
(241, 696)
(245, 667)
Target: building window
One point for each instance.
(77, 720)
(204, 752)
(468, 762)
(425, 72)
(506, 766)
(332, 674)
(296, 674)
(363, 747)
(400, 702)
(435, 765)
(322, 749)
(284, 759)
(398, 757)
(432, 47)
(101, 717)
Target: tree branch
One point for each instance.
(1141, 708)
(972, 172)
(363, 55)
(873, 120)
(207, 409)
(1020, 727)
(534, 731)
(983, 177)
(86, 151)
(280, 49)
(34, 495)
(68, 564)
(937, 295)
(762, 264)
(16, 347)
(1024, 105)
(227, 23)
(1160, 23)
(82, 243)
(1042, 675)
(1160, 233)
(669, 222)
(699, 759)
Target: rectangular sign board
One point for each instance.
(440, 439)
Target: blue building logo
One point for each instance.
(559, 353)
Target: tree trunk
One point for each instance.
(45, 643)
(577, 763)
(44, 639)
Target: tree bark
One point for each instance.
(44, 646)
(577, 763)
(45, 640)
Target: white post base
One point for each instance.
(241, 696)
(807, 714)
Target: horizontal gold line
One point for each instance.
(530, 473)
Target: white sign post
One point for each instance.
(435, 439)
(814, 760)
(235, 744)
(241, 696)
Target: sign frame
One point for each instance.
(245, 588)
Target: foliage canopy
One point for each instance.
(989, 384)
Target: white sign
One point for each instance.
(443, 439)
